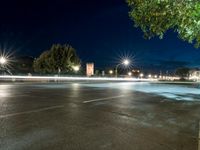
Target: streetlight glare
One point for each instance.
(3, 60)
(129, 74)
(76, 68)
(110, 72)
(149, 76)
(126, 62)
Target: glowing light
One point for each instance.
(126, 62)
(6, 57)
(155, 76)
(3, 60)
(149, 75)
(129, 74)
(110, 72)
(141, 75)
(76, 68)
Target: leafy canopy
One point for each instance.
(58, 58)
(155, 17)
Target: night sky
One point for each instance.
(100, 31)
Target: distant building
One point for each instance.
(89, 69)
(194, 75)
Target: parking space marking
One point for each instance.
(31, 111)
(102, 99)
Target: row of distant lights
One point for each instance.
(151, 76)
(141, 75)
(3, 61)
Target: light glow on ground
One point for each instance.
(175, 91)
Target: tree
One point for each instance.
(182, 72)
(23, 64)
(155, 17)
(59, 57)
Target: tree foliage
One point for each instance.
(59, 57)
(182, 72)
(155, 17)
(23, 64)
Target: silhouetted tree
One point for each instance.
(22, 64)
(182, 72)
(59, 58)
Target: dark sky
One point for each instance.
(100, 30)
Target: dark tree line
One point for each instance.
(60, 58)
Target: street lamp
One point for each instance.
(149, 76)
(141, 75)
(110, 72)
(76, 68)
(2, 60)
(129, 74)
(125, 62)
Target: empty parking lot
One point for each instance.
(88, 116)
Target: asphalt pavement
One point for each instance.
(96, 116)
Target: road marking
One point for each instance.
(102, 99)
(31, 111)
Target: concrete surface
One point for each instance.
(97, 116)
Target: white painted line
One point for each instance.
(102, 99)
(31, 111)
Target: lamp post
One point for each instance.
(125, 62)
